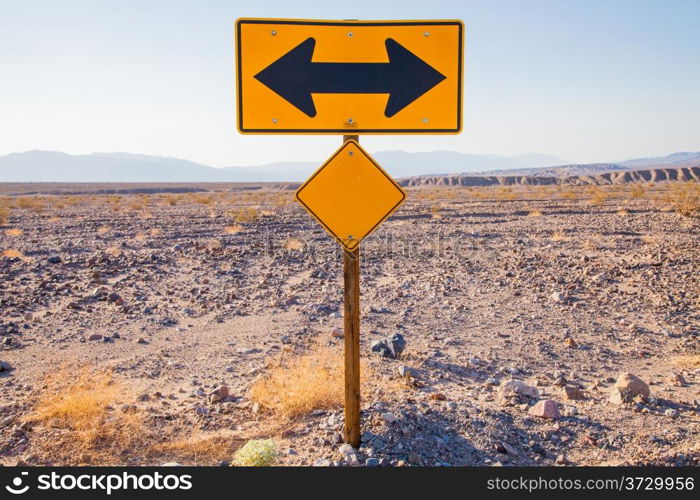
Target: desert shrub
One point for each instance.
(684, 198)
(200, 447)
(637, 191)
(31, 203)
(13, 232)
(244, 214)
(4, 215)
(559, 236)
(535, 213)
(598, 196)
(299, 384)
(256, 453)
(78, 409)
(12, 253)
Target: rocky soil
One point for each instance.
(517, 326)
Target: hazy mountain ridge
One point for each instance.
(51, 166)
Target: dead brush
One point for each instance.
(684, 198)
(559, 236)
(637, 191)
(31, 203)
(4, 215)
(13, 232)
(535, 213)
(298, 384)
(77, 409)
(199, 448)
(244, 215)
(12, 253)
(597, 196)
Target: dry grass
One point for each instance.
(200, 447)
(535, 213)
(691, 361)
(13, 232)
(12, 253)
(684, 198)
(559, 236)
(293, 244)
(102, 230)
(244, 215)
(4, 215)
(598, 196)
(31, 203)
(77, 410)
(297, 385)
(435, 211)
(232, 229)
(623, 211)
(637, 191)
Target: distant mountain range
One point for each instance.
(52, 166)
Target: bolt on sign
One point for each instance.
(349, 77)
(350, 195)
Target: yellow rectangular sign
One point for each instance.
(349, 77)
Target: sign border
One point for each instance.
(239, 93)
(367, 155)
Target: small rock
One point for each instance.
(545, 408)
(670, 412)
(405, 371)
(627, 387)
(389, 418)
(5, 366)
(201, 411)
(372, 462)
(142, 340)
(557, 297)
(414, 458)
(218, 394)
(513, 386)
(390, 347)
(322, 462)
(54, 259)
(337, 333)
(95, 336)
(572, 392)
(562, 460)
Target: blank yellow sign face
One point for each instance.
(349, 77)
(350, 195)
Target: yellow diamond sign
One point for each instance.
(350, 195)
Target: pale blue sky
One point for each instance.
(582, 80)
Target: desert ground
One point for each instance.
(173, 327)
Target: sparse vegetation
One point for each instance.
(13, 232)
(12, 253)
(80, 408)
(244, 215)
(684, 198)
(256, 453)
(4, 215)
(299, 384)
(535, 213)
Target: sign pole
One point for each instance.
(351, 327)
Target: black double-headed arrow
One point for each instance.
(294, 77)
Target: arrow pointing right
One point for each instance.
(294, 77)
